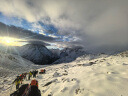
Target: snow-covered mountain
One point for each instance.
(56, 52)
(36, 53)
(70, 54)
(39, 54)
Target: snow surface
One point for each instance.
(14, 64)
(10, 67)
(105, 76)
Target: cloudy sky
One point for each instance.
(93, 24)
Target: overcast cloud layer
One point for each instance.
(94, 24)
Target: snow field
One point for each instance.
(105, 76)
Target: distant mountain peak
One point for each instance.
(36, 53)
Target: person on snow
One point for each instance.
(21, 78)
(17, 82)
(20, 91)
(29, 75)
(35, 73)
(34, 88)
(34, 83)
(42, 71)
(25, 75)
(28, 90)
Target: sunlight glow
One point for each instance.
(9, 41)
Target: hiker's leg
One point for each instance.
(17, 86)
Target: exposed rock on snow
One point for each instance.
(123, 54)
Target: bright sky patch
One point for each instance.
(11, 41)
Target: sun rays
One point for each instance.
(9, 41)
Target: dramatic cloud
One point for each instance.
(39, 42)
(94, 24)
(17, 32)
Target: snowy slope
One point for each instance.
(10, 67)
(13, 64)
(105, 76)
(102, 76)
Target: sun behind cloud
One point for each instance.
(9, 41)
